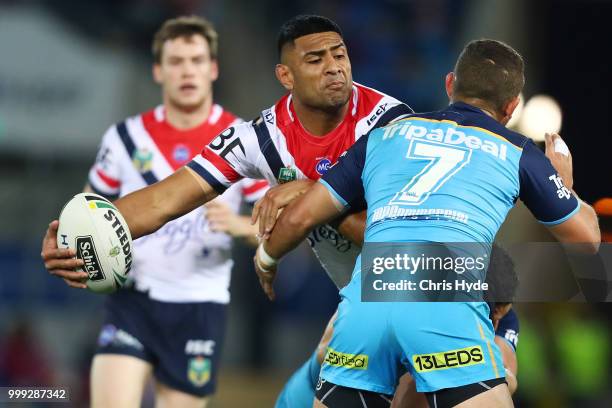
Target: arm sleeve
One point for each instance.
(229, 157)
(542, 190)
(343, 180)
(105, 174)
(508, 329)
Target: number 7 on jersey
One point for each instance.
(444, 162)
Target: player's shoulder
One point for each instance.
(375, 109)
(367, 98)
(465, 115)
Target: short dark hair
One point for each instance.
(501, 278)
(489, 70)
(302, 25)
(185, 26)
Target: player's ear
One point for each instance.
(157, 75)
(449, 83)
(509, 109)
(284, 76)
(511, 106)
(214, 70)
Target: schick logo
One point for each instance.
(562, 191)
(323, 165)
(87, 252)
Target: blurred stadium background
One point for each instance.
(68, 69)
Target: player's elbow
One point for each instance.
(590, 241)
(580, 234)
(592, 248)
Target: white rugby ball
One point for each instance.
(94, 228)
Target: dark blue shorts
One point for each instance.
(181, 340)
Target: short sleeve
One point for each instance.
(105, 175)
(343, 180)
(542, 190)
(508, 328)
(229, 157)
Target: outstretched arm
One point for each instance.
(148, 209)
(144, 210)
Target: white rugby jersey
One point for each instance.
(277, 148)
(183, 261)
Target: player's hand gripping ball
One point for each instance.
(94, 228)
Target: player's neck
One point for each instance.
(484, 107)
(316, 121)
(183, 118)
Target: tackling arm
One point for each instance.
(352, 226)
(315, 207)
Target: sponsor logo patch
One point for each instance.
(142, 159)
(562, 191)
(196, 347)
(198, 371)
(352, 361)
(323, 165)
(448, 359)
(87, 252)
(286, 174)
(181, 153)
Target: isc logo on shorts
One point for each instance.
(448, 359)
(346, 360)
(197, 347)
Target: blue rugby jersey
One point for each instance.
(450, 176)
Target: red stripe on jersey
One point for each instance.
(221, 165)
(109, 181)
(178, 146)
(314, 155)
(255, 187)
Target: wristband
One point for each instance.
(264, 259)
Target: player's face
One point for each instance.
(320, 71)
(186, 72)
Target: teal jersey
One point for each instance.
(447, 176)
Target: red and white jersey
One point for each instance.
(277, 148)
(183, 261)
